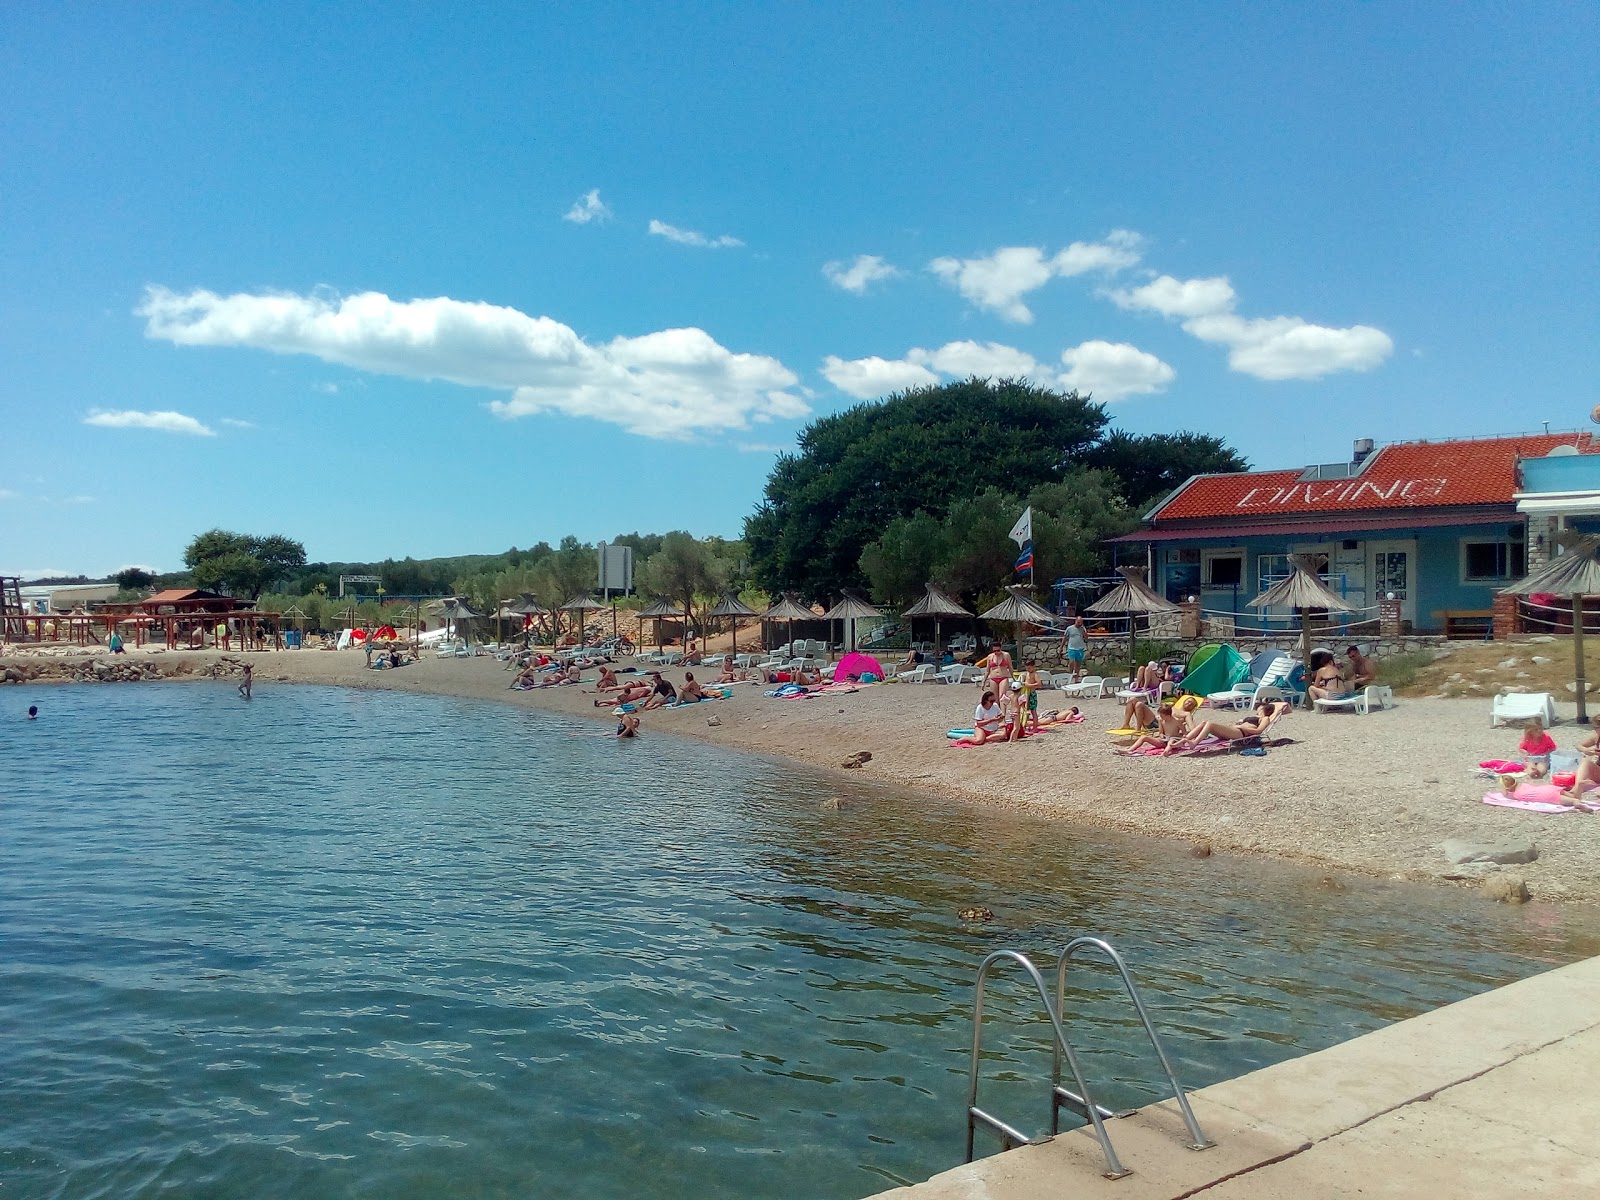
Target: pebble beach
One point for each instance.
(1375, 795)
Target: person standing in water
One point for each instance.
(244, 686)
(33, 712)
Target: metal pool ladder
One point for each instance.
(1080, 1101)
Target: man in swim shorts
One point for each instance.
(1077, 648)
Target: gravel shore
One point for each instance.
(1374, 794)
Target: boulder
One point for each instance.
(1507, 850)
(1506, 888)
(1541, 659)
(1510, 662)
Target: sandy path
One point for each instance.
(1375, 794)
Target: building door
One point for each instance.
(1390, 572)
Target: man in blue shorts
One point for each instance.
(1077, 648)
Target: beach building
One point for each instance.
(1428, 531)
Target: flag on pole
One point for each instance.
(1022, 532)
(1025, 559)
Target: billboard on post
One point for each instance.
(616, 569)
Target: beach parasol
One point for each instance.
(850, 609)
(1132, 596)
(791, 610)
(526, 606)
(732, 607)
(938, 605)
(1020, 609)
(1303, 590)
(654, 612)
(581, 605)
(457, 611)
(1574, 575)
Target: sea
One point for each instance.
(341, 943)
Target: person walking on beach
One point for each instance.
(244, 685)
(1077, 648)
(116, 643)
(997, 668)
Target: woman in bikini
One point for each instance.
(631, 693)
(1588, 773)
(1263, 717)
(1174, 720)
(997, 669)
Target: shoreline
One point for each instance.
(1370, 795)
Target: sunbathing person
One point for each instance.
(1263, 717)
(1360, 671)
(631, 693)
(661, 691)
(1327, 683)
(1174, 721)
(728, 675)
(1588, 773)
(690, 692)
(911, 661)
(986, 720)
(607, 681)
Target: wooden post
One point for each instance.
(1577, 654)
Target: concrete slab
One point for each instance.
(1487, 1098)
(1423, 1152)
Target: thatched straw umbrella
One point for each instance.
(1132, 596)
(1020, 609)
(657, 610)
(457, 612)
(1303, 590)
(527, 605)
(581, 605)
(1574, 575)
(935, 604)
(732, 607)
(788, 609)
(849, 610)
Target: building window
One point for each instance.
(1270, 568)
(1224, 569)
(1492, 562)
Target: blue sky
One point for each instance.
(323, 270)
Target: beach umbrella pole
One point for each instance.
(1577, 655)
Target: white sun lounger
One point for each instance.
(1523, 706)
(1361, 702)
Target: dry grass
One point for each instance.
(1484, 668)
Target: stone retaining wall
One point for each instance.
(1113, 656)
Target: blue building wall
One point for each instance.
(1435, 572)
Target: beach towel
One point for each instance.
(1211, 746)
(787, 692)
(1502, 766)
(1530, 797)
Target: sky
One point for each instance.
(441, 279)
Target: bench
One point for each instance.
(1464, 624)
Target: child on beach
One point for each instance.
(1031, 683)
(1535, 748)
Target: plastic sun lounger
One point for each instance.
(1361, 702)
(1523, 706)
(1089, 685)
(919, 674)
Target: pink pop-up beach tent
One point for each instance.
(857, 664)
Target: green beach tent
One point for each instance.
(1215, 668)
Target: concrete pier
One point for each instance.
(1495, 1096)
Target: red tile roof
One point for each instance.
(1405, 476)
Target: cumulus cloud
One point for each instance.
(668, 384)
(1265, 347)
(990, 359)
(866, 270)
(166, 422)
(998, 281)
(588, 207)
(869, 378)
(1111, 371)
(689, 237)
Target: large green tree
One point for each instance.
(241, 564)
(928, 449)
(1152, 465)
(857, 470)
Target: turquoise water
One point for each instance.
(334, 943)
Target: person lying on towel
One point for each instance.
(1265, 714)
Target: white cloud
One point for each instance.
(1000, 280)
(1179, 297)
(668, 384)
(78, 500)
(1110, 371)
(1265, 347)
(869, 378)
(327, 389)
(761, 447)
(167, 422)
(866, 270)
(236, 423)
(145, 567)
(990, 360)
(689, 237)
(588, 207)
(26, 573)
